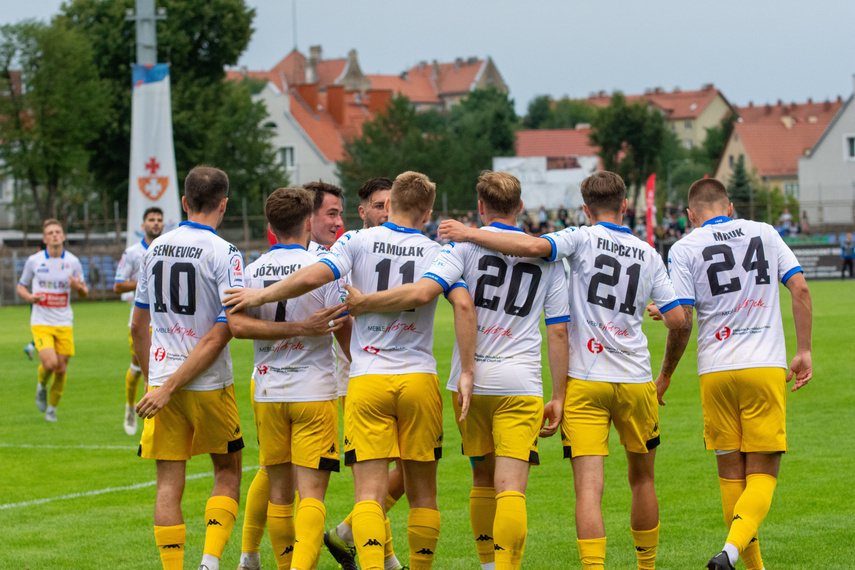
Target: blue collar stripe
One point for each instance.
(198, 226)
(397, 228)
(144, 244)
(615, 227)
(717, 220)
(504, 227)
(61, 256)
(289, 246)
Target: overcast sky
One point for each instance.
(755, 50)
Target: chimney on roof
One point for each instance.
(677, 89)
(405, 75)
(378, 100)
(434, 72)
(648, 91)
(751, 104)
(457, 63)
(768, 109)
(780, 102)
(422, 65)
(839, 99)
(657, 90)
(708, 87)
(472, 60)
(335, 103)
(312, 64)
(826, 106)
(309, 94)
(810, 101)
(601, 94)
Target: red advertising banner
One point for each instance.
(651, 188)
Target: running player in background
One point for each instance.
(373, 196)
(53, 274)
(190, 406)
(127, 274)
(506, 412)
(295, 401)
(729, 270)
(394, 408)
(612, 276)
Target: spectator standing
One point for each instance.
(847, 253)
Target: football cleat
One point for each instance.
(720, 562)
(130, 423)
(50, 415)
(344, 553)
(30, 350)
(244, 565)
(41, 397)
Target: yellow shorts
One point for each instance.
(393, 416)
(61, 339)
(131, 344)
(302, 433)
(590, 407)
(193, 423)
(505, 425)
(745, 409)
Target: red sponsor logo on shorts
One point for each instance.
(159, 354)
(372, 349)
(722, 333)
(262, 370)
(595, 346)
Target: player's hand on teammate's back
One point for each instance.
(152, 402)
(464, 393)
(802, 368)
(323, 321)
(653, 312)
(452, 230)
(354, 298)
(662, 383)
(552, 413)
(239, 299)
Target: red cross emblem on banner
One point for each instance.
(153, 186)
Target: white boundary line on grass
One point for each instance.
(49, 446)
(104, 491)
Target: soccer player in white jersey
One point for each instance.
(612, 276)
(190, 406)
(506, 413)
(394, 408)
(295, 401)
(127, 274)
(53, 274)
(729, 270)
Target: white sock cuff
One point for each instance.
(135, 368)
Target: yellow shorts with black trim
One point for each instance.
(61, 339)
(391, 416)
(302, 433)
(193, 423)
(745, 409)
(505, 425)
(590, 407)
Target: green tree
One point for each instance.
(567, 113)
(739, 188)
(54, 109)
(712, 148)
(213, 122)
(539, 112)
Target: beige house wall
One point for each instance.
(732, 151)
(710, 117)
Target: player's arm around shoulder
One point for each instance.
(801, 366)
(299, 283)
(395, 300)
(510, 243)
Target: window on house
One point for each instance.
(688, 143)
(730, 161)
(286, 156)
(688, 125)
(850, 148)
(791, 189)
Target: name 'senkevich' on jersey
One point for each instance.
(177, 251)
(620, 249)
(393, 249)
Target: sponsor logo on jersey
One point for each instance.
(595, 346)
(159, 354)
(53, 300)
(615, 330)
(262, 370)
(178, 330)
(496, 331)
(371, 349)
(723, 333)
(395, 326)
(288, 346)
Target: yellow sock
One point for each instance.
(369, 534)
(170, 543)
(482, 513)
(280, 525)
(220, 515)
(132, 382)
(309, 533)
(348, 520)
(255, 512)
(423, 534)
(390, 502)
(646, 542)
(44, 375)
(751, 508)
(388, 551)
(592, 552)
(509, 530)
(56, 389)
(731, 490)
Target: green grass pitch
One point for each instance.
(75, 495)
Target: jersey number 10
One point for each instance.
(175, 272)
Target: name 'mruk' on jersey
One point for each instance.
(613, 274)
(49, 277)
(729, 269)
(295, 369)
(129, 269)
(509, 294)
(184, 275)
(378, 259)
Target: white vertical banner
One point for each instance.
(153, 181)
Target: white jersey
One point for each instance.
(342, 364)
(296, 369)
(378, 259)
(613, 275)
(729, 270)
(184, 276)
(49, 276)
(509, 294)
(129, 268)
